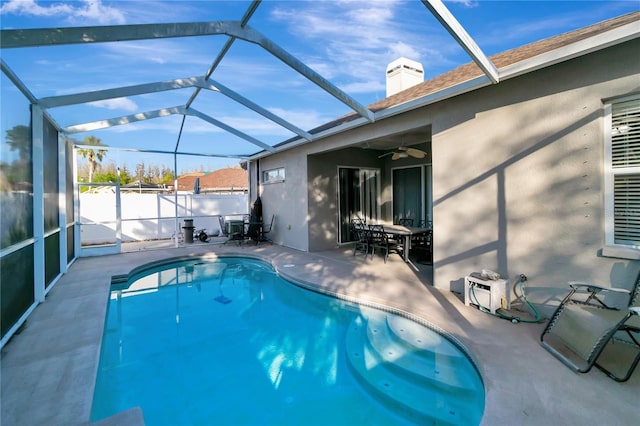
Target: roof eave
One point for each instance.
(343, 127)
(583, 47)
(579, 48)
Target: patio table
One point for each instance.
(406, 232)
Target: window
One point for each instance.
(622, 174)
(273, 175)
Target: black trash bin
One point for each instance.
(188, 231)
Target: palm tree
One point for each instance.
(19, 139)
(93, 156)
(19, 170)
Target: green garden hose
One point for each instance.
(499, 314)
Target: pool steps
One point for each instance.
(411, 368)
(422, 364)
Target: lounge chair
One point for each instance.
(587, 330)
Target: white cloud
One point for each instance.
(116, 104)
(355, 40)
(303, 118)
(139, 51)
(400, 48)
(93, 11)
(262, 127)
(165, 51)
(31, 8)
(245, 124)
(370, 86)
(466, 3)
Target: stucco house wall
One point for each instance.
(287, 200)
(518, 177)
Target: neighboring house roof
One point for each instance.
(221, 179)
(470, 70)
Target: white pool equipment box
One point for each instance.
(486, 293)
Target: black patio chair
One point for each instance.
(422, 247)
(378, 238)
(266, 230)
(425, 224)
(361, 235)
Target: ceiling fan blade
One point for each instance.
(416, 153)
(385, 154)
(398, 155)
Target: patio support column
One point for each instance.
(118, 216)
(37, 135)
(62, 201)
(175, 200)
(77, 241)
(250, 194)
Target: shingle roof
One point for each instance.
(470, 70)
(226, 178)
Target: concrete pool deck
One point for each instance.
(48, 369)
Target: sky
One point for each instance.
(348, 42)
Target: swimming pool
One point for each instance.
(227, 341)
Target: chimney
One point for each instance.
(402, 74)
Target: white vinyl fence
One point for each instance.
(152, 216)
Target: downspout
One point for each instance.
(258, 192)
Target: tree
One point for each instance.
(167, 176)
(19, 139)
(125, 175)
(140, 172)
(153, 174)
(93, 156)
(109, 173)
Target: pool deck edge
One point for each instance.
(48, 369)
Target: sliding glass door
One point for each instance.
(358, 196)
(412, 197)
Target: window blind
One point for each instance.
(625, 162)
(627, 209)
(625, 134)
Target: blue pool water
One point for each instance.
(228, 342)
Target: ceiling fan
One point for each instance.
(404, 152)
